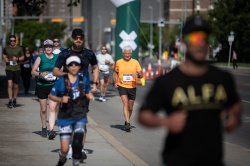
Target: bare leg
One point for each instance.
(52, 114)
(10, 85)
(101, 87)
(125, 107)
(130, 107)
(43, 111)
(16, 88)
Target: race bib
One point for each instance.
(50, 77)
(27, 65)
(75, 93)
(13, 63)
(104, 67)
(127, 77)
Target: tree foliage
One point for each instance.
(227, 16)
(29, 7)
(34, 30)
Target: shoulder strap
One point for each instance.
(81, 85)
(67, 85)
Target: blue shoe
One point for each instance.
(100, 98)
(103, 98)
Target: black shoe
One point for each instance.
(14, 103)
(26, 92)
(44, 132)
(61, 163)
(128, 127)
(52, 134)
(10, 105)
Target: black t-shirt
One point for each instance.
(200, 143)
(87, 57)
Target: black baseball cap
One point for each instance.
(77, 32)
(195, 24)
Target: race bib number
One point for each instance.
(50, 77)
(104, 67)
(75, 93)
(13, 63)
(127, 77)
(26, 65)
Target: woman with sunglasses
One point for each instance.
(46, 80)
(26, 69)
(75, 93)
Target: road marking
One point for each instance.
(133, 158)
(238, 146)
(245, 101)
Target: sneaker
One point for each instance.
(84, 154)
(14, 103)
(10, 105)
(103, 98)
(52, 134)
(44, 132)
(69, 155)
(61, 163)
(100, 98)
(128, 127)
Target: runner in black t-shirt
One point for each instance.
(194, 95)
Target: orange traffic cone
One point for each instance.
(149, 68)
(144, 72)
(159, 66)
(152, 75)
(157, 73)
(108, 82)
(147, 76)
(163, 72)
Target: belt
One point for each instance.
(45, 82)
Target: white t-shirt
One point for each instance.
(104, 67)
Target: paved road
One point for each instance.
(107, 143)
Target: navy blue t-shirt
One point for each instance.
(89, 59)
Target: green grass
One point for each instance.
(231, 64)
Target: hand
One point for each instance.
(14, 58)
(90, 96)
(7, 60)
(94, 89)
(116, 85)
(176, 121)
(65, 99)
(135, 75)
(106, 61)
(43, 74)
(232, 122)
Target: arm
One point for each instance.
(139, 75)
(6, 59)
(58, 72)
(116, 79)
(95, 76)
(63, 99)
(175, 122)
(234, 114)
(35, 66)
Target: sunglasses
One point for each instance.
(48, 46)
(56, 41)
(195, 38)
(12, 40)
(74, 63)
(76, 38)
(103, 48)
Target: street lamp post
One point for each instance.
(151, 33)
(230, 40)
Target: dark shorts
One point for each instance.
(130, 92)
(103, 76)
(13, 75)
(42, 92)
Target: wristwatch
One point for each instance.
(95, 83)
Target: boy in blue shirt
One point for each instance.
(72, 91)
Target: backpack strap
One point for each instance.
(67, 86)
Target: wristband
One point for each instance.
(95, 83)
(138, 76)
(39, 73)
(17, 59)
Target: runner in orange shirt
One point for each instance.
(126, 72)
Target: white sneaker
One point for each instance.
(101, 98)
(84, 154)
(69, 155)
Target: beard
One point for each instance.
(77, 46)
(195, 61)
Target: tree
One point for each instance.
(29, 7)
(227, 16)
(34, 30)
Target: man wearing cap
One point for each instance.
(196, 99)
(87, 57)
(46, 80)
(56, 47)
(13, 54)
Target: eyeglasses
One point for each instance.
(48, 46)
(56, 41)
(80, 38)
(74, 63)
(103, 48)
(12, 40)
(195, 38)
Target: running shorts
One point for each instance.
(42, 92)
(66, 131)
(130, 92)
(13, 75)
(103, 76)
